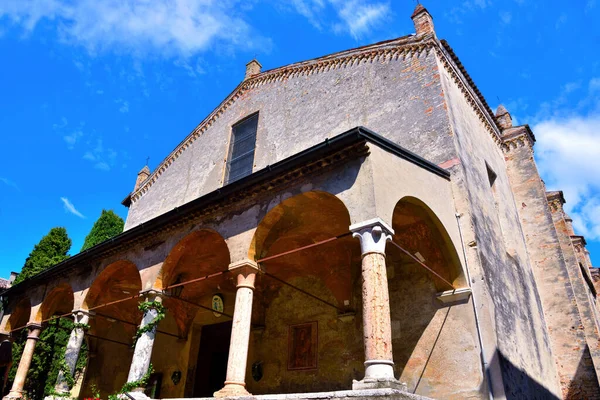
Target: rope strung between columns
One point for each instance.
(108, 340)
(304, 292)
(134, 324)
(200, 306)
(196, 279)
(423, 265)
(285, 253)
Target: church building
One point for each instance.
(359, 225)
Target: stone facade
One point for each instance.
(394, 238)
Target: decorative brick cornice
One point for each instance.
(555, 200)
(468, 88)
(579, 243)
(392, 50)
(517, 137)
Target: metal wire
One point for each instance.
(423, 265)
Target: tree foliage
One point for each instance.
(108, 225)
(47, 357)
(51, 250)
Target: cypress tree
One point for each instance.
(51, 250)
(108, 225)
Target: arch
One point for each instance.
(117, 281)
(419, 230)
(19, 316)
(302, 220)
(317, 214)
(60, 300)
(200, 253)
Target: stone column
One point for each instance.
(377, 327)
(143, 347)
(235, 381)
(81, 318)
(16, 392)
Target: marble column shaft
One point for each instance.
(72, 350)
(235, 380)
(377, 326)
(17, 388)
(143, 347)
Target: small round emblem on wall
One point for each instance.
(217, 304)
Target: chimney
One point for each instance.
(252, 68)
(422, 20)
(503, 117)
(13, 276)
(142, 176)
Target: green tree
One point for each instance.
(108, 225)
(51, 250)
(49, 352)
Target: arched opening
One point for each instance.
(418, 317)
(203, 258)
(112, 299)
(54, 315)
(299, 343)
(59, 301)
(19, 317)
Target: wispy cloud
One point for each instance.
(568, 153)
(10, 183)
(353, 16)
(506, 17)
(72, 138)
(123, 105)
(70, 208)
(163, 27)
(103, 159)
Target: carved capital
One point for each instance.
(373, 235)
(245, 272)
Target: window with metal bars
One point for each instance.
(241, 149)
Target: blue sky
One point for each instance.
(90, 89)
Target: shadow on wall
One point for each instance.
(585, 382)
(519, 385)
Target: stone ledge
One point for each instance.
(453, 296)
(366, 394)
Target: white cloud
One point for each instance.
(506, 17)
(354, 17)
(10, 183)
(103, 159)
(594, 84)
(124, 105)
(163, 27)
(72, 138)
(568, 156)
(70, 208)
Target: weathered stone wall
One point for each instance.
(397, 98)
(556, 291)
(523, 346)
(585, 380)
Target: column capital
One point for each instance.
(151, 295)
(373, 235)
(245, 271)
(34, 330)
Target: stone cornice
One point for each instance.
(518, 136)
(382, 52)
(468, 88)
(578, 242)
(555, 200)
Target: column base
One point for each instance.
(379, 374)
(232, 390)
(381, 383)
(13, 396)
(137, 395)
